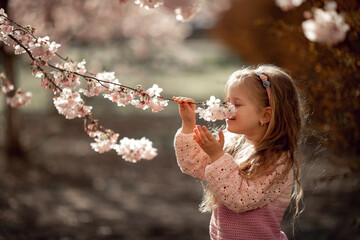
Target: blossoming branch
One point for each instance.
(63, 79)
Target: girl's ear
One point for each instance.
(266, 114)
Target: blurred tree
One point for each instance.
(260, 32)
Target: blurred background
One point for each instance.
(54, 186)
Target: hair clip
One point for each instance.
(264, 79)
(266, 83)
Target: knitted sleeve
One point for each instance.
(240, 194)
(191, 159)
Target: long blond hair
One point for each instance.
(281, 137)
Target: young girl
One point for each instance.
(249, 169)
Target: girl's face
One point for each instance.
(247, 118)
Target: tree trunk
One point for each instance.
(13, 147)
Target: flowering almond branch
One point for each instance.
(63, 80)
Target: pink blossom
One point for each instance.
(66, 79)
(139, 104)
(150, 99)
(327, 26)
(91, 126)
(121, 98)
(19, 50)
(104, 142)
(70, 104)
(107, 82)
(6, 88)
(187, 12)
(25, 38)
(57, 75)
(94, 88)
(216, 110)
(5, 84)
(39, 74)
(42, 48)
(8, 41)
(286, 5)
(147, 4)
(5, 29)
(72, 66)
(150, 31)
(134, 150)
(19, 99)
(2, 15)
(154, 91)
(157, 104)
(45, 82)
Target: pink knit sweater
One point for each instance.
(247, 209)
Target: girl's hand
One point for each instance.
(187, 113)
(210, 145)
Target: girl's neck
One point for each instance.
(255, 138)
(252, 141)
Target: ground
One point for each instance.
(66, 191)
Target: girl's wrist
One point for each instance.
(216, 156)
(188, 127)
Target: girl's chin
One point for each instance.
(233, 129)
(234, 132)
(229, 128)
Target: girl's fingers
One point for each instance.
(202, 133)
(188, 100)
(185, 102)
(221, 138)
(178, 99)
(198, 137)
(192, 106)
(207, 132)
(182, 99)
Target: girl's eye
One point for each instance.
(237, 105)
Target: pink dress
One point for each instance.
(246, 209)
